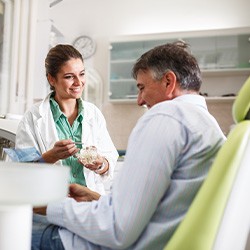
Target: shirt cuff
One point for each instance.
(55, 213)
(100, 169)
(40, 160)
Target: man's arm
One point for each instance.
(119, 218)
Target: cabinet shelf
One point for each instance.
(122, 80)
(220, 99)
(214, 100)
(130, 61)
(225, 71)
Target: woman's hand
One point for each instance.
(81, 193)
(95, 164)
(61, 150)
(93, 161)
(100, 165)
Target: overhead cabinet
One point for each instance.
(219, 56)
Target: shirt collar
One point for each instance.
(193, 99)
(57, 113)
(80, 110)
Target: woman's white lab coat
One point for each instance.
(37, 129)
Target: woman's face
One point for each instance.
(70, 80)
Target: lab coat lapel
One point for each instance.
(48, 132)
(46, 125)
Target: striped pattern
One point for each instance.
(168, 156)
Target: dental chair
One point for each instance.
(219, 216)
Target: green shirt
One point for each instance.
(65, 131)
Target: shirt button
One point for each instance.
(74, 175)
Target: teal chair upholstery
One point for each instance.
(219, 216)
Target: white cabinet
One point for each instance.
(223, 58)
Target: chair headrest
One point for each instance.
(241, 105)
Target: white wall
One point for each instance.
(116, 17)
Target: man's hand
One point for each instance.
(81, 193)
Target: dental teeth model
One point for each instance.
(87, 155)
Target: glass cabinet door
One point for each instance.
(243, 51)
(123, 56)
(204, 49)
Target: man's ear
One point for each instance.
(169, 79)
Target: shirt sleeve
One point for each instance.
(118, 219)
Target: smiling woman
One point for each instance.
(53, 125)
